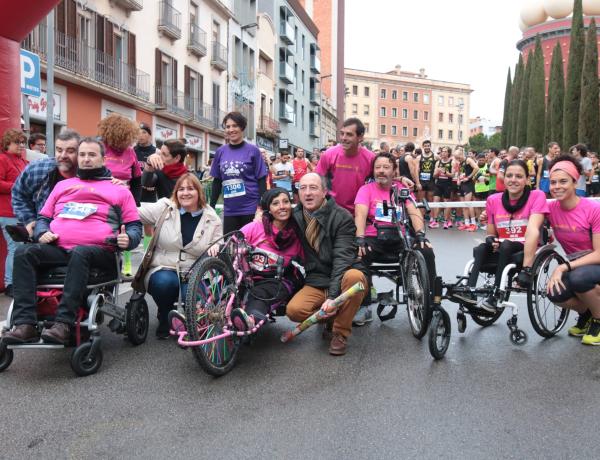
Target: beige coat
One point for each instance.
(169, 252)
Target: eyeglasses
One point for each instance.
(21, 142)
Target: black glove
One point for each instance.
(360, 242)
(490, 239)
(524, 277)
(420, 239)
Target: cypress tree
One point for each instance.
(521, 138)
(589, 115)
(514, 101)
(507, 111)
(573, 86)
(537, 97)
(556, 96)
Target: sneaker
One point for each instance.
(592, 336)
(471, 228)
(490, 304)
(241, 320)
(582, 325)
(176, 321)
(434, 224)
(449, 222)
(363, 316)
(462, 226)
(446, 225)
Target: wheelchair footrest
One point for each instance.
(387, 316)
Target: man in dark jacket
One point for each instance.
(328, 240)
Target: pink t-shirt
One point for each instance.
(574, 228)
(123, 165)
(347, 174)
(514, 228)
(372, 196)
(254, 232)
(87, 212)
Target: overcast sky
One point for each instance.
(466, 41)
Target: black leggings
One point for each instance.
(484, 253)
(232, 223)
(265, 296)
(577, 281)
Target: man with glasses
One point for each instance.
(38, 179)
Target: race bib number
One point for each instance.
(233, 188)
(381, 217)
(263, 262)
(425, 176)
(546, 174)
(512, 230)
(77, 211)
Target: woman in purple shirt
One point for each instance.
(240, 173)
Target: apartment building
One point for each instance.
(362, 103)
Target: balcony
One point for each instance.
(130, 5)
(286, 73)
(313, 129)
(315, 63)
(173, 101)
(169, 20)
(77, 59)
(268, 126)
(201, 112)
(286, 113)
(286, 32)
(197, 41)
(218, 58)
(315, 97)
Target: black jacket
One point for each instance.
(337, 247)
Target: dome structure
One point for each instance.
(533, 13)
(591, 7)
(558, 9)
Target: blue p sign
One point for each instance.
(31, 83)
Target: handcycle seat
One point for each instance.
(490, 267)
(57, 275)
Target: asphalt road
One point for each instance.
(386, 398)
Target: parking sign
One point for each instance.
(31, 82)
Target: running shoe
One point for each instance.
(449, 222)
(363, 316)
(241, 320)
(434, 224)
(446, 225)
(592, 336)
(582, 325)
(462, 226)
(471, 228)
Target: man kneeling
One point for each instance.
(77, 227)
(328, 235)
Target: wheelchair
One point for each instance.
(102, 294)
(546, 318)
(407, 270)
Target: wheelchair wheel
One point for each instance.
(416, 284)
(546, 318)
(439, 333)
(210, 287)
(6, 356)
(137, 321)
(83, 363)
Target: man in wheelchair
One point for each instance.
(514, 218)
(80, 225)
(376, 237)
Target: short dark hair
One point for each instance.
(418, 151)
(409, 147)
(360, 128)
(389, 156)
(566, 157)
(520, 163)
(495, 151)
(552, 144)
(176, 148)
(67, 134)
(92, 140)
(582, 149)
(34, 138)
(236, 117)
(427, 141)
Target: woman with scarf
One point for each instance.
(277, 236)
(171, 168)
(576, 225)
(514, 218)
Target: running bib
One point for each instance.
(546, 174)
(425, 176)
(512, 230)
(263, 262)
(78, 211)
(381, 217)
(233, 188)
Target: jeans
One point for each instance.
(164, 288)
(31, 258)
(11, 247)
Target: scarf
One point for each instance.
(313, 229)
(174, 171)
(94, 174)
(286, 237)
(519, 204)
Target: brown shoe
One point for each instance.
(59, 333)
(337, 346)
(23, 333)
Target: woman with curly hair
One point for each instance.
(119, 134)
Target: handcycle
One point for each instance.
(546, 318)
(406, 269)
(102, 294)
(217, 285)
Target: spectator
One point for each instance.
(579, 152)
(283, 172)
(37, 142)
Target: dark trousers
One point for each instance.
(484, 254)
(31, 258)
(265, 296)
(231, 223)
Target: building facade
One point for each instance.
(362, 103)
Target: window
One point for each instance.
(440, 100)
(367, 92)
(426, 116)
(366, 110)
(461, 101)
(460, 135)
(394, 112)
(404, 114)
(450, 134)
(394, 94)
(404, 131)
(450, 118)
(415, 132)
(354, 109)
(405, 95)
(440, 133)
(366, 127)
(303, 47)
(460, 119)
(441, 117)
(382, 129)
(425, 98)
(415, 114)
(302, 82)
(296, 113)
(354, 90)
(450, 101)
(383, 93)
(416, 97)
(382, 112)
(394, 130)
